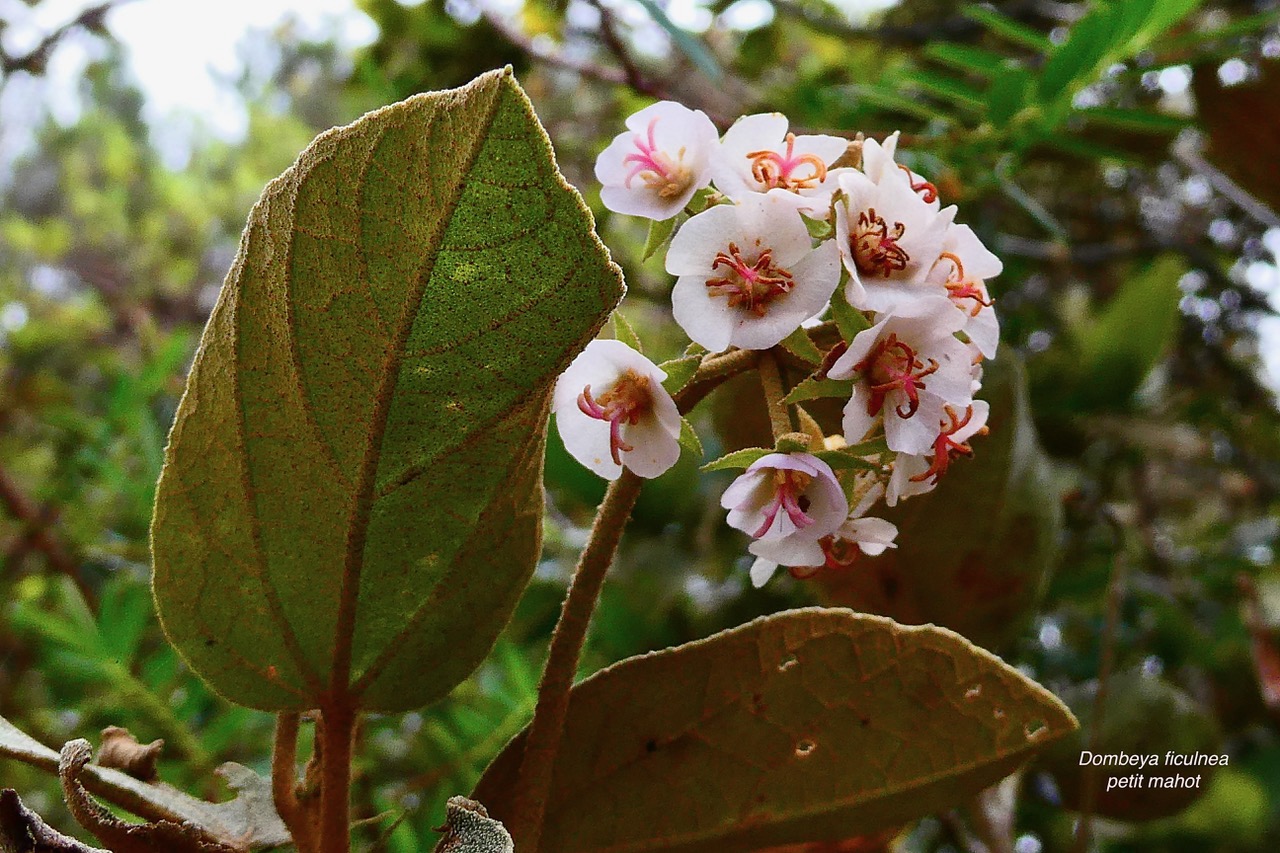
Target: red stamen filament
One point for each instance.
(775, 170)
(960, 288)
(839, 553)
(788, 496)
(752, 285)
(946, 449)
(875, 249)
(654, 167)
(927, 191)
(892, 366)
(625, 402)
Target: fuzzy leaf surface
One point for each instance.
(809, 725)
(351, 499)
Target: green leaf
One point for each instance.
(249, 819)
(844, 459)
(813, 389)
(660, 231)
(363, 429)
(689, 439)
(1142, 121)
(1008, 29)
(737, 459)
(888, 98)
(799, 344)
(1008, 94)
(809, 725)
(947, 89)
(624, 333)
(963, 57)
(679, 371)
(849, 320)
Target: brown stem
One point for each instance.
(543, 741)
(774, 392)
(336, 734)
(42, 537)
(284, 784)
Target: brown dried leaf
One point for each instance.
(121, 750)
(24, 831)
(159, 837)
(469, 829)
(249, 818)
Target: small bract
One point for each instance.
(612, 411)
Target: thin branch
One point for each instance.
(551, 56)
(34, 60)
(284, 784)
(613, 41)
(42, 537)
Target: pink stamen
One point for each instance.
(945, 448)
(788, 496)
(625, 402)
(774, 170)
(893, 365)
(960, 288)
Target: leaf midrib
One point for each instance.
(366, 493)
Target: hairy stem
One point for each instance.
(284, 783)
(774, 392)
(336, 733)
(543, 742)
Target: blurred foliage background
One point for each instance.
(1121, 519)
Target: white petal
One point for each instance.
(594, 367)
(873, 535)
(789, 552)
(697, 242)
(761, 571)
(857, 423)
(984, 330)
(859, 348)
(654, 448)
(587, 440)
(915, 434)
(706, 319)
(978, 261)
(901, 487)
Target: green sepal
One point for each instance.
(624, 333)
(737, 459)
(689, 439)
(814, 388)
(819, 229)
(843, 459)
(849, 320)
(793, 442)
(798, 344)
(679, 371)
(660, 231)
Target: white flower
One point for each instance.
(962, 270)
(654, 168)
(787, 502)
(879, 165)
(748, 273)
(612, 411)
(908, 367)
(916, 474)
(889, 240)
(757, 155)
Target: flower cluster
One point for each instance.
(775, 232)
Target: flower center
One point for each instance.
(892, 365)
(775, 170)
(752, 285)
(945, 448)
(875, 246)
(962, 289)
(658, 171)
(928, 192)
(625, 402)
(788, 496)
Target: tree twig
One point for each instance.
(38, 532)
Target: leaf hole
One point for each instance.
(651, 745)
(1035, 729)
(805, 748)
(973, 692)
(788, 662)
(998, 713)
